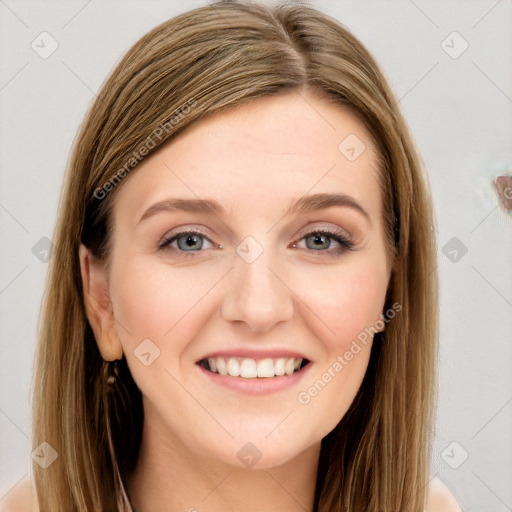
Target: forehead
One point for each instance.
(260, 156)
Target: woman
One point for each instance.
(245, 259)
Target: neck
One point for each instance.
(168, 478)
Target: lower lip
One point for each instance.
(257, 385)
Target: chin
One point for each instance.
(259, 453)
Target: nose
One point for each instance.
(258, 294)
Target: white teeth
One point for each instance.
(248, 368)
(279, 366)
(233, 367)
(266, 368)
(212, 363)
(221, 366)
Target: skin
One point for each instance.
(255, 161)
(22, 498)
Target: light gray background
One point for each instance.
(459, 110)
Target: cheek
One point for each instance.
(346, 304)
(349, 303)
(166, 306)
(153, 301)
(349, 308)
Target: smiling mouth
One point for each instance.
(248, 368)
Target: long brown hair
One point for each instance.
(204, 61)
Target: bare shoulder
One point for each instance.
(440, 499)
(22, 498)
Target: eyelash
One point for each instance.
(345, 242)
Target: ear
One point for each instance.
(98, 307)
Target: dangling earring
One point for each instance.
(111, 372)
(122, 403)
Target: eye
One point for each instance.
(187, 241)
(321, 241)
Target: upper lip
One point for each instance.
(273, 353)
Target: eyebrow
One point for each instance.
(302, 205)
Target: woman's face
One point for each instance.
(261, 282)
